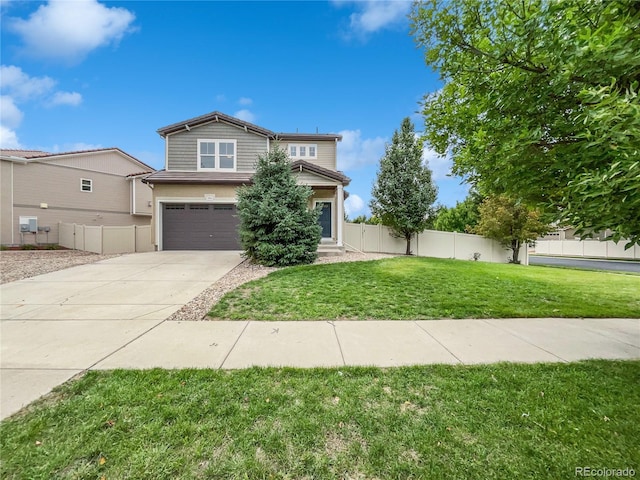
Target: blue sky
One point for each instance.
(86, 74)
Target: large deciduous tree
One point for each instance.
(403, 194)
(277, 228)
(511, 223)
(461, 218)
(540, 102)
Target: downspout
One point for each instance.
(12, 217)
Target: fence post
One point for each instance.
(455, 253)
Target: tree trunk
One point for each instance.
(408, 239)
(515, 246)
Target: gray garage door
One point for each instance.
(199, 226)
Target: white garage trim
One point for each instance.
(161, 200)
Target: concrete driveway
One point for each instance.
(56, 325)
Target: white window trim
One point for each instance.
(217, 168)
(82, 180)
(306, 146)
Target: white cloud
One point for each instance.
(21, 86)
(8, 138)
(354, 151)
(18, 87)
(374, 15)
(10, 114)
(440, 165)
(245, 101)
(10, 119)
(354, 204)
(65, 98)
(245, 115)
(68, 31)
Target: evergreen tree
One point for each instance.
(277, 228)
(404, 192)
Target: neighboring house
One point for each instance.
(208, 157)
(92, 187)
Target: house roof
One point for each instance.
(26, 154)
(213, 117)
(325, 172)
(249, 127)
(234, 178)
(40, 155)
(210, 178)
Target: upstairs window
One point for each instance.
(217, 155)
(86, 185)
(303, 151)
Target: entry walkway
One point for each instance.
(112, 314)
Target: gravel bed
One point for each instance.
(20, 264)
(198, 308)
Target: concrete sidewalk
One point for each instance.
(232, 345)
(111, 314)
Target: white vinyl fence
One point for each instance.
(430, 243)
(106, 240)
(587, 248)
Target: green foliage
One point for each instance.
(541, 103)
(277, 228)
(29, 246)
(404, 192)
(462, 218)
(511, 223)
(364, 219)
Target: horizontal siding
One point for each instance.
(143, 198)
(38, 183)
(5, 202)
(183, 147)
(106, 162)
(308, 178)
(326, 153)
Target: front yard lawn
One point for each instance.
(439, 422)
(408, 288)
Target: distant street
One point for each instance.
(614, 265)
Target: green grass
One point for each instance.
(438, 422)
(407, 288)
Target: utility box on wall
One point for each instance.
(28, 224)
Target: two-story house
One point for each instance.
(90, 187)
(208, 157)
